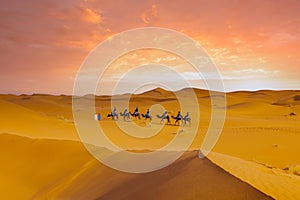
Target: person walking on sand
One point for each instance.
(97, 116)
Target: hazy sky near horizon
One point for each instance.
(255, 44)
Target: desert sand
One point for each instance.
(256, 157)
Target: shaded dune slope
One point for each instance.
(76, 175)
(187, 178)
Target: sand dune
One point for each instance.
(288, 101)
(58, 169)
(260, 136)
(29, 165)
(272, 181)
(187, 178)
(32, 122)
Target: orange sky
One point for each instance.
(255, 44)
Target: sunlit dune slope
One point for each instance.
(31, 122)
(30, 165)
(52, 169)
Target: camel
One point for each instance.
(186, 119)
(114, 115)
(163, 117)
(125, 115)
(147, 115)
(178, 118)
(136, 113)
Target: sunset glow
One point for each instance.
(255, 44)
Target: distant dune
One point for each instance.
(42, 157)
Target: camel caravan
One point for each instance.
(164, 118)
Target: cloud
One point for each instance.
(90, 15)
(282, 38)
(192, 75)
(48, 40)
(254, 71)
(249, 73)
(150, 15)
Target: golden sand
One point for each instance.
(41, 156)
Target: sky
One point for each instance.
(255, 44)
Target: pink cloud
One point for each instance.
(47, 40)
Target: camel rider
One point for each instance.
(126, 114)
(164, 115)
(148, 114)
(136, 111)
(114, 113)
(187, 116)
(179, 116)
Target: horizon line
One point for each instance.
(139, 93)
